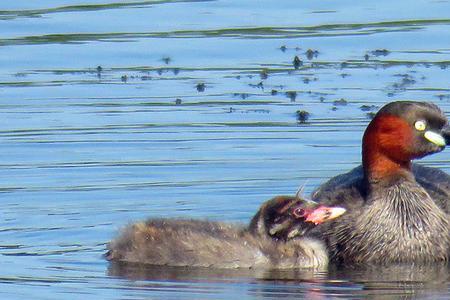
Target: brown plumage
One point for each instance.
(274, 239)
(397, 212)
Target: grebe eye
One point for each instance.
(299, 212)
(420, 125)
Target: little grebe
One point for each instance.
(275, 238)
(397, 211)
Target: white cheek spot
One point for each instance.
(435, 138)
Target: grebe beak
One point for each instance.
(324, 213)
(436, 138)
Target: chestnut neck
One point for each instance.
(384, 150)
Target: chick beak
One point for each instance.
(324, 213)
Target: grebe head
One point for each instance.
(285, 217)
(400, 132)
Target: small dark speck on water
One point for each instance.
(302, 116)
(380, 52)
(341, 102)
(243, 96)
(99, 71)
(366, 57)
(259, 85)
(124, 78)
(443, 96)
(292, 95)
(443, 65)
(166, 60)
(283, 48)
(178, 101)
(370, 115)
(310, 54)
(273, 92)
(264, 74)
(297, 62)
(368, 107)
(200, 87)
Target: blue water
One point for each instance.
(92, 138)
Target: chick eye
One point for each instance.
(420, 125)
(299, 212)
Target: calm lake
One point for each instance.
(115, 111)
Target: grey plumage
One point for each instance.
(198, 243)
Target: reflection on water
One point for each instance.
(380, 282)
(115, 111)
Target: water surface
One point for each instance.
(115, 111)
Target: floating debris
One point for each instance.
(243, 96)
(368, 107)
(264, 74)
(340, 102)
(371, 115)
(261, 111)
(380, 52)
(99, 71)
(292, 95)
(260, 85)
(443, 96)
(310, 54)
(297, 62)
(302, 116)
(200, 87)
(443, 65)
(400, 86)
